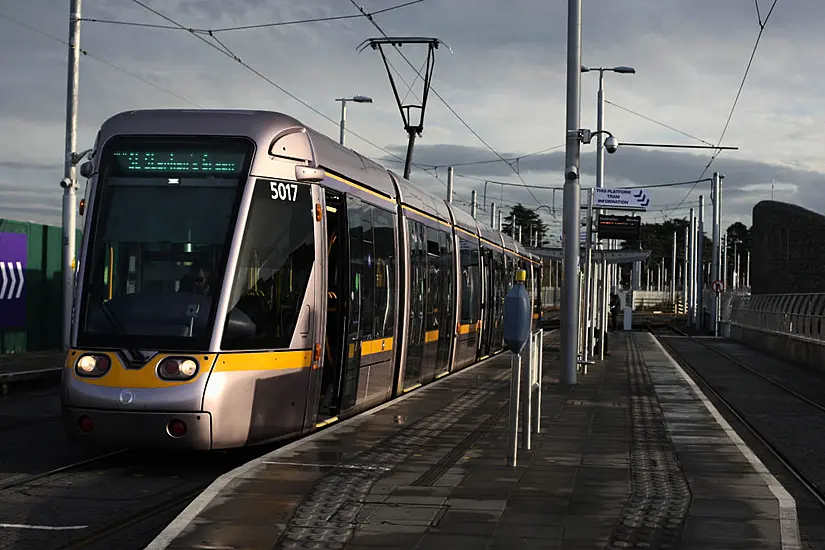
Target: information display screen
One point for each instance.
(185, 161)
(619, 227)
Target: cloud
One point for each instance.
(505, 79)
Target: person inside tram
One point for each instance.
(196, 280)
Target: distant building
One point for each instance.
(788, 249)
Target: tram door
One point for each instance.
(341, 347)
(487, 309)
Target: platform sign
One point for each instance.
(717, 286)
(622, 199)
(13, 253)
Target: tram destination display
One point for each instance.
(626, 228)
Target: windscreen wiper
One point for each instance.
(110, 315)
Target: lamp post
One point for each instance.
(343, 100)
(621, 69)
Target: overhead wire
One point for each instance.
(223, 49)
(654, 121)
(371, 19)
(713, 157)
(247, 27)
(111, 65)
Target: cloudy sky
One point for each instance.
(505, 78)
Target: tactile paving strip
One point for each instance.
(654, 515)
(329, 515)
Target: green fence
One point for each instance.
(32, 321)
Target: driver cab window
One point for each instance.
(274, 266)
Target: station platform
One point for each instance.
(633, 456)
(23, 367)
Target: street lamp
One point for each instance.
(343, 100)
(600, 115)
(621, 69)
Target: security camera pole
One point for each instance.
(414, 125)
(572, 205)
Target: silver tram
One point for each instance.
(243, 278)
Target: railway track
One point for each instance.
(790, 464)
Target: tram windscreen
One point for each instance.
(163, 216)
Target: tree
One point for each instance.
(530, 223)
(739, 233)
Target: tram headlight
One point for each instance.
(92, 365)
(177, 368)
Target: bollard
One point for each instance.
(512, 425)
(527, 391)
(517, 320)
(537, 384)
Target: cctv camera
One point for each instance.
(611, 144)
(571, 173)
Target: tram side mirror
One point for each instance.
(309, 173)
(238, 325)
(86, 169)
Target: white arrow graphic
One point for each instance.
(6, 277)
(5, 281)
(20, 273)
(13, 281)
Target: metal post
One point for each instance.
(450, 184)
(716, 199)
(512, 425)
(690, 279)
(588, 278)
(537, 383)
(410, 147)
(474, 207)
(748, 273)
(493, 215)
(572, 189)
(700, 242)
(605, 305)
(69, 182)
(526, 405)
(341, 138)
(685, 269)
(725, 259)
(734, 283)
(673, 272)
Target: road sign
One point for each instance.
(626, 228)
(621, 199)
(717, 286)
(13, 253)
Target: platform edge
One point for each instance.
(788, 520)
(199, 504)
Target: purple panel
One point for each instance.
(13, 254)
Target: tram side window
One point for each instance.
(418, 290)
(435, 286)
(372, 250)
(383, 229)
(470, 284)
(274, 266)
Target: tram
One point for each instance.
(244, 278)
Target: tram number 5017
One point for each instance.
(283, 191)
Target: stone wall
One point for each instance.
(788, 249)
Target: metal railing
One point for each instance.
(525, 394)
(796, 315)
